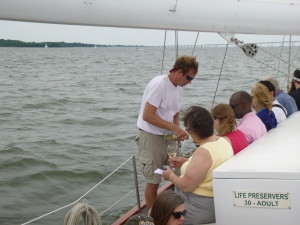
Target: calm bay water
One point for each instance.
(68, 119)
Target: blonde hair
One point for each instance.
(225, 114)
(262, 94)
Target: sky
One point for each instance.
(38, 32)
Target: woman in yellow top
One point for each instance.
(195, 182)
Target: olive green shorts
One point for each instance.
(152, 154)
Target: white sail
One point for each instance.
(223, 16)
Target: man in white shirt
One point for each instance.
(159, 113)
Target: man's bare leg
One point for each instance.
(150, 194)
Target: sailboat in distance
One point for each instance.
(267, 184)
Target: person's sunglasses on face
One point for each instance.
(179, 214)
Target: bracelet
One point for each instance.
(170, 178)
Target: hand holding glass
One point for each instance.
(170, 136)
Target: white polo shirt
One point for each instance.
(162, 94)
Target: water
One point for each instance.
(68, 119)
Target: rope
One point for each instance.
(56, 210)
(219, 76)
(120, 199)
(82, 210)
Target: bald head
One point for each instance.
(242, 96)
(241, 103)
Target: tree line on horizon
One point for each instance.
(15, 43)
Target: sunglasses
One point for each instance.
(178, 215)
(189, 78)
(235, 105)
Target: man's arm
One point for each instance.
(150, 116)
(176, 119)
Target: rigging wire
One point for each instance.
(286, 62)
(289, 65)
(243, 46)
(282, 45)
(163, 59)
(121, 199)
(296, 53)
(220, 76)
(288, 75)
(176, 43)
(267, 65)
(195, 43)
(56, 210)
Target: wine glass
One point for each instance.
(172, 150)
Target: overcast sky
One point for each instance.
(37, 32)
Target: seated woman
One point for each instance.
(168, 209)
(262, 104)
(225, 125)
(195, 181)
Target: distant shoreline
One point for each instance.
(48, 44)
(16, 43)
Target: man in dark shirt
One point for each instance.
(295, 88)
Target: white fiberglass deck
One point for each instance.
(261, 184)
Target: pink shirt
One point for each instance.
(238, 141)
(252, 127)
